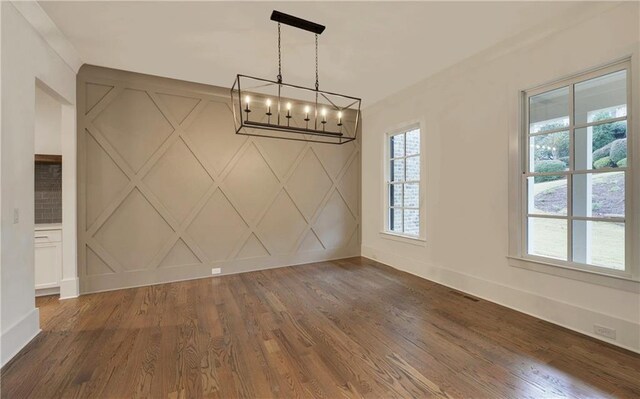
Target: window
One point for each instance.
(403, 183)
(576, 172)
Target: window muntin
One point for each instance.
(549, 111)
(403, 184)
(576, 172)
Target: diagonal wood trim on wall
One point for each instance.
(166, 190)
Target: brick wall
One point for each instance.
(48, 193)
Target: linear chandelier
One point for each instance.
(268, 108)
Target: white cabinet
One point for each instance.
(48, 260)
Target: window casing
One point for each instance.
(576, 181)
(403, 188)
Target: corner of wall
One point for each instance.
(19, 335)
(47, 29)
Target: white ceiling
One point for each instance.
(369, 49)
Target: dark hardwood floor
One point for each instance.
(346, 328)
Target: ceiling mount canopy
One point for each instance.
(296, 22)
(267, 108)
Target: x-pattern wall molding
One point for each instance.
(167, 190)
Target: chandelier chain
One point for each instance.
(279, 57)
(317, 80)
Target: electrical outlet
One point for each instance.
(216, 270)
(604, 331)
(16, 215)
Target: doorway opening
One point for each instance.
(47, 192)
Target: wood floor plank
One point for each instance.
(350, 328)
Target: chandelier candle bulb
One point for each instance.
(269, 111)
(288, 113)
(247, 100)
(339, 118)
(306, 116)
(324, 118)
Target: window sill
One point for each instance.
(621, 282)
(421, 242)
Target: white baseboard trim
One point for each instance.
(563, 314)
(19, 335)
(47, 291)
(69, 288)
(142, 278)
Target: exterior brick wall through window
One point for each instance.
(403, 184)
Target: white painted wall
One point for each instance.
(469, 113)
(48, 137)
(1, 168)
(26, 56)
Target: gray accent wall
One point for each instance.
(167, 191)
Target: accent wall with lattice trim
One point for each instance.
(167, 191)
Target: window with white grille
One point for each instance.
(403, 185)
(576, 174)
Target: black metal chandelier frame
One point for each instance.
(316, 126)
